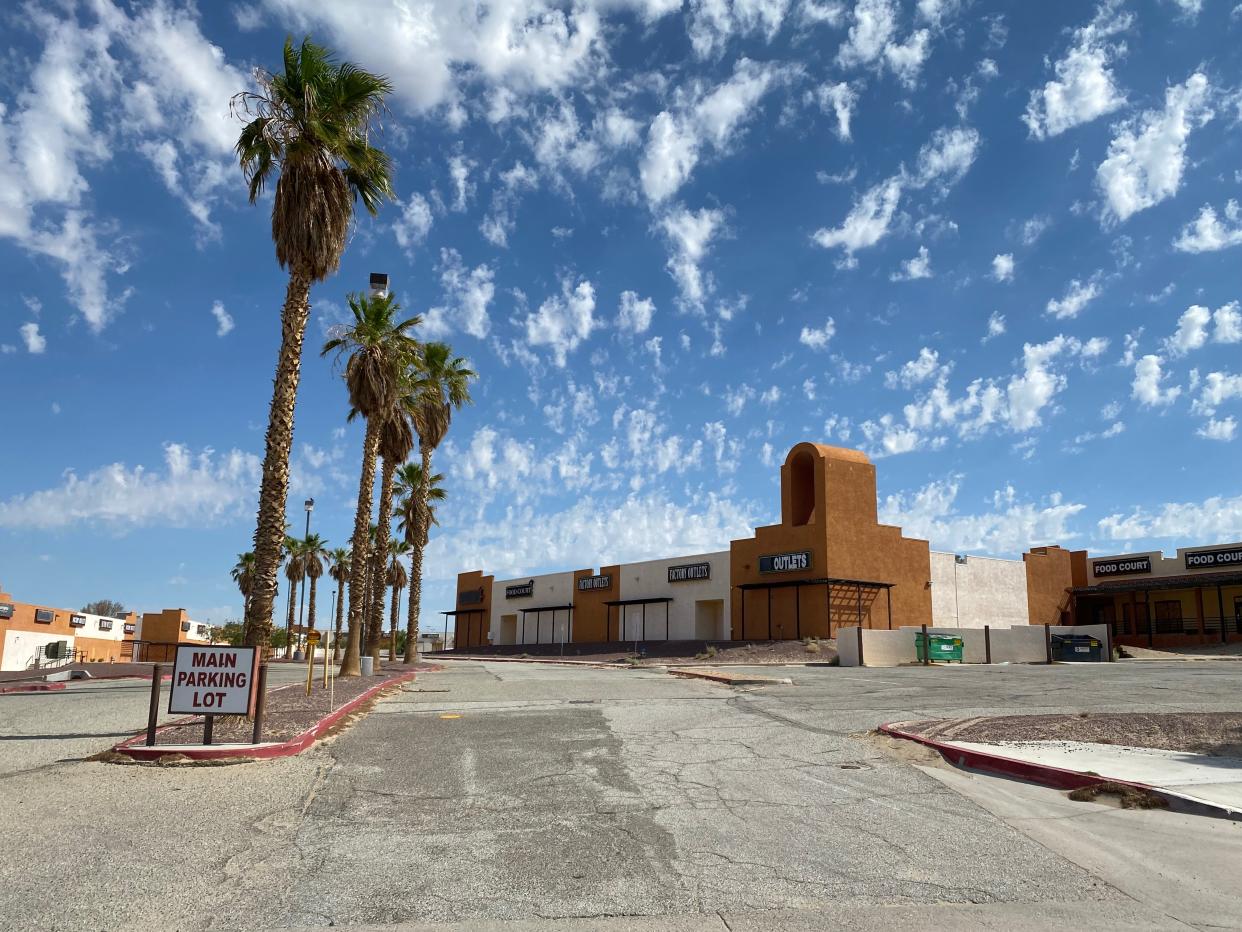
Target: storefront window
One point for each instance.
(1169, 616)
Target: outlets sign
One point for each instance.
(214, 680)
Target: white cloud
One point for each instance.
(1190, 8)
(1215, 518)
(737, 398)
(996, 326)
(635, 314)
(1148, 155)
(817, 337)
(770, 396)
(676, 138)
(1191, 331)
(35, 342)
(637, 528)
(1006, 524)
(413, 224)
(190, 490)
(1146, 387)
(1208, 234)
(917, 370)
(1228, 322)
(873, 42)
(1225, 429)
(711, 23)
(840, 100)
(1084, 88)
(866, 223)
(224, 320)
(1077, 296)
(563, 321)
(915, 268)
(944, 159)
(1002, 267)
(690, 234)
(501, 219)
(1218, 387)
(468, 293)
(459, 173)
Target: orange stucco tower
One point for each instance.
(829, 563)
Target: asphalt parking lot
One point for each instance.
(527, 795)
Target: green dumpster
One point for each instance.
(1076, 648)
(945, 648)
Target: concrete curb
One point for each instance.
(598, 664)
(732, 679)
(31, 688)
(1046, 775)
(133, 747)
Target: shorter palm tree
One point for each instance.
(339, 571)
(243, 575)
(398, 579)
(314, 550)
(295, 570)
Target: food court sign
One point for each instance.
(1214, 559)
(214, 680)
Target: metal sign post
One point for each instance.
(312, 638)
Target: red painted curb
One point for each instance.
(1044, 774)
(282, 749)
(31, 688)
(600, 664)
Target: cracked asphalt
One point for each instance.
(524, 796)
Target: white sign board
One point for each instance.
(214, 680)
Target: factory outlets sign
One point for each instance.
(520, 591)
(1125, 567)
(214, 680)
(470, 597)
(689, 571)
(1212, 559)
(785, 562)
(587, 583)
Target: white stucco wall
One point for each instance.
(21, 647)
(551, 589)
(981, 591)
(649, 579)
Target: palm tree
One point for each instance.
(243, 575)
(295, 570)
(405, 486)
(443, 387)
(397, 579)
(396, 442)
(380, 349)
(339, 571)
(309, 129)
(313, 554)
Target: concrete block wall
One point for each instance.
(1024, 644)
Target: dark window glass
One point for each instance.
(44, 616)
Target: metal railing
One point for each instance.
(1211, 625)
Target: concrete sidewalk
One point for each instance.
(1202, 779)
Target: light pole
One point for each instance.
(309, 505)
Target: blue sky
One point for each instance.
(992, 244)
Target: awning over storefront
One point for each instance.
(857, 586)
(1198, 580)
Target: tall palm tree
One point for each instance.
(295, 570)
(443, 387)
(339, 571)
(308, 129)
(397, 579)
(396, 442)
(379, 348)
(314, 552)
(243, 575)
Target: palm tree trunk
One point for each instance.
(289, 623)
(383, 528)
(393, 615)
(351, 665)
(310, 616)
(269, 533)
(340, 613)
(416, 559)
